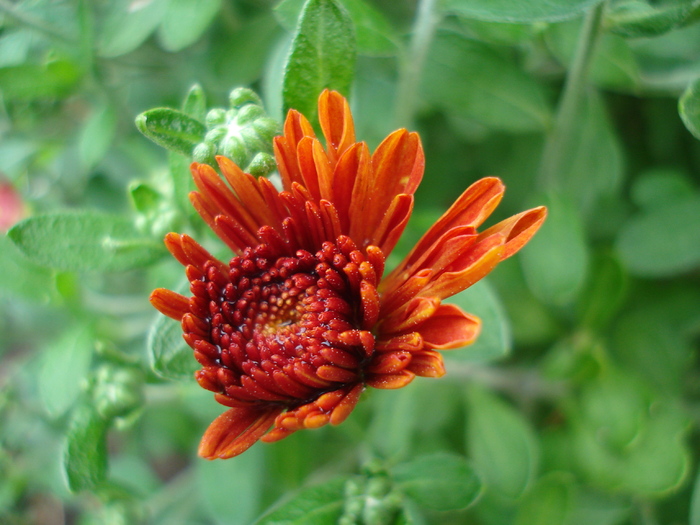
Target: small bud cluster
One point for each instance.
(370, 499)
(242, 133)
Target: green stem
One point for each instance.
(424, 26)
(28, 20)
(560, 140)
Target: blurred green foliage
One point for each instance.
(578, 405)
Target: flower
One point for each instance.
(300, 321)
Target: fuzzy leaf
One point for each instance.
(317, 505)
(555, 261)
(689, 108)
(501, 443)
(519, 10)
(322, 56)
(170, 356)
(438, 481)
(85, 455)
(185, 21)
(172, 129)
(84, 241)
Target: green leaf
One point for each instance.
(317, 505)
(84, 241)
(613, 65)
(640, 18)
(63, 370)
(242, 476)
(394, 422)
(494, 341)
(555, 262)
(438, 481)
(548, 502)
(195, 103)
(519, 10)
(322, 56)
(185, 21)
(31, 81)
(20, 277)
(630, 444)
(85, 453)
(501, 443)
(594, 167)
(695, 502)
(126, 25)
(170, 356)
(375, 36)
(689, 108)
(172, 129)
(470, 79)
(661, 186)
(664, 241)
(605, 292)
(97, 135)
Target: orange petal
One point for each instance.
(449, 327)
(427, 364)
(336, 122)
(170, 303)
(346, 405)
(296, 127)
(236, 430)
(397, 167)
(390, 381)
(518, 229)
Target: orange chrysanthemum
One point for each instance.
(291, 331)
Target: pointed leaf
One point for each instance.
(172, 129)
(317, 505)
(85, 453)
(84, 241)
(170, 356)
(322, 56)
(501, 443)
(438, 481)
(185, 21)
(689, 108)
(495, 340)
(519, 10)
(555, 261)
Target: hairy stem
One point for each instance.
(561, 137)
(424, 27)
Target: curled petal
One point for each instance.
(236, 430)
(449, 327)
(518, 229)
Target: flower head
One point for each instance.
(301, 320)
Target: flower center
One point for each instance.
(279, 328)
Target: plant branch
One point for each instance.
(562, 135)
(426, 21)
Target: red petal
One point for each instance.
(236, 430)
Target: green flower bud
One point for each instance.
(234, 149)
(215, 117)
(204, 152)
(249, 113)
(215, 135)
(117, 391)
(241, 96)
(261, 165)
(266, 128)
